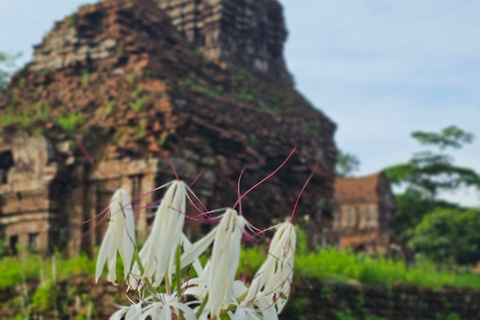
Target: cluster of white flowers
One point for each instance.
(158, 272)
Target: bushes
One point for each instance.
(16, 270)
(331, 265)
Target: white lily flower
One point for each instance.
(120, 236)
(224, 261)
(158, 253)
(273, 280)
(162, 310)
(259, 310)
(219, 273)
(132, 312)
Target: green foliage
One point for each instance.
(431, 172)
(138, 104)
(344, 315)
(72, 19)
(7, 119)
(412, 205)
(140, 131)
(333, 266)
(45, 297)
(450, 316)
(347, 164)
(213, 92)
(253, 140)
(449, 235)
(70, 122)
(85, 78)
(198, 52)
(15, 270)
(310, 129)
(27, 116)
(131, 78)
(452, 136)
(7, 65)
(299, 305)
(141, 99)
(425, 175)
(163, 141)
(243, 89)
(110, 107)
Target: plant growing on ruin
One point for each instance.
(167, 277)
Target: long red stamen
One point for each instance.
(164, 156)
(238, 192)
(92, 162)
(304, 186)
(266, 178)
(198, 176)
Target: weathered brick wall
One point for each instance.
(317, 301)
(247, 33)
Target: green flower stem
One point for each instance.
(142, 270)
(202, 306)
(179, 278)
(230, 307)
(179, 275)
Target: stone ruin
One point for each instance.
(365, 218)
(202, 82)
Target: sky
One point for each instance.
(379, 69)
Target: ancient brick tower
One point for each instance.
(246, 33)
(204, 80)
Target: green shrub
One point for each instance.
(45, 297)
(70, 122)
(213, 92)
(138, 104)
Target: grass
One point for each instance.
(17, 270)
(333, 266)
(328, 265)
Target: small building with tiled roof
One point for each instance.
(365, 217)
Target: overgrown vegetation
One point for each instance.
(213, 92)
(442, 231)
(331, 265)
(70, 122)
(328, 266)
(242, 86)
(140, 99)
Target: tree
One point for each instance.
(347, 164)
(431, 172)
(7, 66)
(426, 174)
(449, 235)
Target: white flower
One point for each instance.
(219, 273)
(120, 236)
(132, 312)
(273, 280)
(259, 310)
(158, 253)
(224, 261)
(162, 310)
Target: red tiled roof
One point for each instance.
(357, 190)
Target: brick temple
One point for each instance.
(205, 81)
